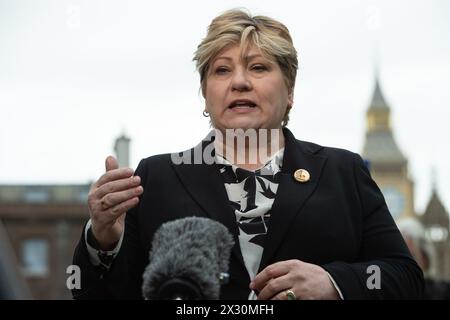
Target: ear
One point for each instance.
(290, 99)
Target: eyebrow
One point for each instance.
(247, 57)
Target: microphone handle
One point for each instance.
(179, 289)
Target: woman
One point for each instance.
(308, 221)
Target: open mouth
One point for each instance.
(242, 104)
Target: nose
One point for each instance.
(240, 80)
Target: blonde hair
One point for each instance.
(236, 26)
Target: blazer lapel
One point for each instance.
(206, 186)
(291, 194)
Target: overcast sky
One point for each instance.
(75, 74)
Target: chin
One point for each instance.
(244, 124)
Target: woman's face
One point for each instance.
(249, 93)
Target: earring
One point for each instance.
(205, 114)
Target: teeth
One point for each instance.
(243, 104)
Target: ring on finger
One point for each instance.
(290, 295)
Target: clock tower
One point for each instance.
(387, 164)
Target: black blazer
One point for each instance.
(338, 220)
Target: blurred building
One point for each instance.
(436, 223)
(389, 168)
(12, 283)
(43, 224)
(122, 150)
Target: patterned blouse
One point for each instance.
(251, 195)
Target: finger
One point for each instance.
(115, 174)
(284, 296)
(111, 163)
(112, 199)
(272, 271)
(118, 210)
(275, 286)
(117, 185)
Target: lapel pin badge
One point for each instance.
(302, 175)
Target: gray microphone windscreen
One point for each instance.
(194, 249)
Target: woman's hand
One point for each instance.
(305, 280)
(110, 197)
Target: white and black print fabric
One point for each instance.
(251, 195)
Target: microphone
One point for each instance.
(188, 260)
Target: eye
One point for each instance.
(259, 68)
(221, 70)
